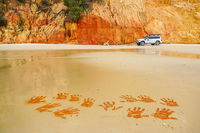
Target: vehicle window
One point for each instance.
(154, 37)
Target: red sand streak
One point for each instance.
(146, 99)
(38, 99)
(46, 107)
(164, 114)
(69, 111)
(61, 96)
(136, 112)
(88, 102)
(128, 98)
(74, 98)
(169, 102)
(110, 105)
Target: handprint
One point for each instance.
(163, 114)
(128, 98)
(46, 107)
(136, 112)
(61, 96)
(74, 98)
(169, 102)
(111, 105)
(145, 99)
(88, 102)
(38, 99)
(69, 111)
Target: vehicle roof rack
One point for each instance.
(153, 34)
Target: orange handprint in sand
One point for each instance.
(136, 112)
(74, 98)
(163, 114)
(169, 102)
(61, 96)
(46, 107)
(69, 111)
(128, 98)
(38, 99)
(111, 105)
(88, 102)
(146, 99)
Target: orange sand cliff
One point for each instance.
(115, 21)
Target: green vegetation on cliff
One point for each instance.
(74, 12)
(3, 21)
(21, 1)
(76, 8)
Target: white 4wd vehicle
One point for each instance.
(153, 39)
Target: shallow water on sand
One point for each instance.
(102, 75)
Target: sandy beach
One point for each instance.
(192, 48)
(110, 89)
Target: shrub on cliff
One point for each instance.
(3, 21)
(2, 1)
(76, 8)
(21, 22)
(21, 1)
(44, 6)
(45, 3)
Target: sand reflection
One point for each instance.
(119, 91)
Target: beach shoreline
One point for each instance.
(186, 48)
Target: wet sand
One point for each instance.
(103, 75)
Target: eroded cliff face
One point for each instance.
(114, 21)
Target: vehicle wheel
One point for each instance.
(157, 43)
(142, 43)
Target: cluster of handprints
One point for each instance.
(135, 112)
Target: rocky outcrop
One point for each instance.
(114, 21)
